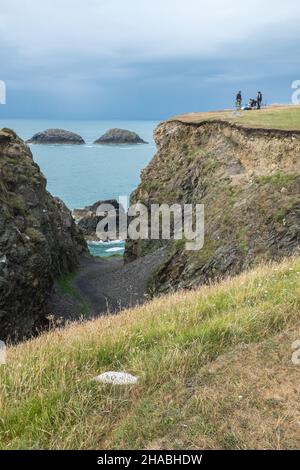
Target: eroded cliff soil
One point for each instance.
(249, 183)
(39, 240)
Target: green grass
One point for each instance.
(65, 286)
(279, 180)
(273, 117)
(17, 203)
(49, 398)
(35, 235)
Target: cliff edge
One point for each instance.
(248, 179)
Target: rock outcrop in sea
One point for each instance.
(120, 136)
(56, 136)
(39, 240)
(87, 218)
(249, 183)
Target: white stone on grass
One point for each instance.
(117, 378)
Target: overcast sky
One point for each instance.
(144, 59)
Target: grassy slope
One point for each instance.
(273, 117)
(214, 364)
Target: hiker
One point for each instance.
(238, 101)
(259, 99)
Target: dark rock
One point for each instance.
(56, 136)
(120, 136)
(87, 218)
(39, 241)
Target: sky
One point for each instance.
(144, 59)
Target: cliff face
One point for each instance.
(39, 240)
(249, 183)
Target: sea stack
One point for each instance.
(56, 136)
(120, 136)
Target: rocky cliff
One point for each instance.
(249, 183)
(39, 240)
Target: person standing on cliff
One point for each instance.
(259, 99)
(238, 100)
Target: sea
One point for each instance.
(80, 175)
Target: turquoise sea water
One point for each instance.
(83, 174)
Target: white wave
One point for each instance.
(114, 242)
(114, 249)
(101, 242)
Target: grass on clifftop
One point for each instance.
(272, 117)
(214, 365)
